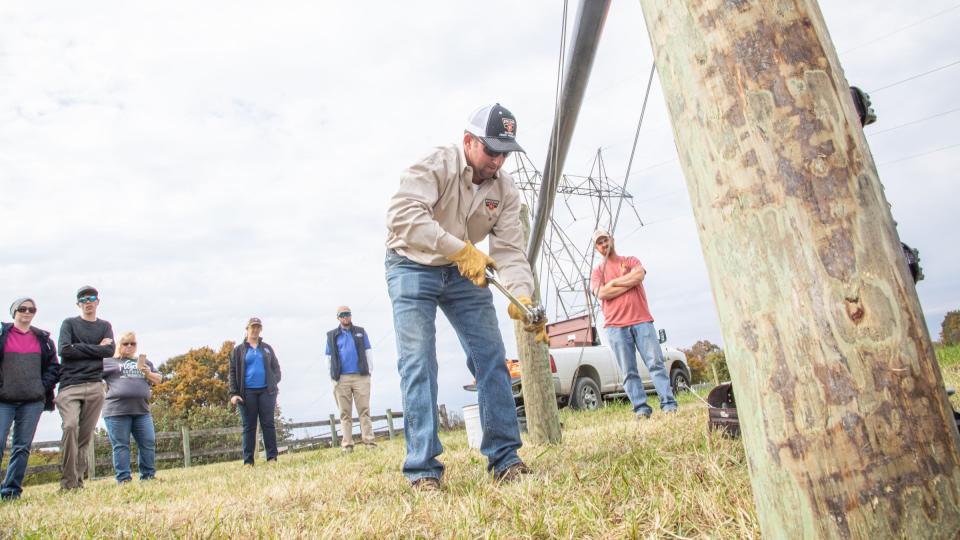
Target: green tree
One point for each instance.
(950, 329)
(718, 360)
(697, 359)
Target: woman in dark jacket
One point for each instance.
(28, 373)
(254, 374)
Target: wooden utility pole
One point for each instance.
(847, 427)
(539, 399)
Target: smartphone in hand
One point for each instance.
(141, 361)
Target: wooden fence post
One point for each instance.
(390, 432)
(186, 445)
(92, 457)
(444, 420)
(334, 440)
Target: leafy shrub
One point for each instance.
(950, 329)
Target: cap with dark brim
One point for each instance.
(87, 289)
(501, 145)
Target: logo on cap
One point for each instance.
(509, 125)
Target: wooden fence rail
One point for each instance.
(330, 439)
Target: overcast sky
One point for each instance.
(205, 162)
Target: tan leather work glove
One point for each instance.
(539, 329)
(472, 264)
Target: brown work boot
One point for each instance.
(427, 483)
(511, 473)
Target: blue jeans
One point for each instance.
(416, 291)
(625, 342)
(258, 403)
(24, 417)
(119, 428)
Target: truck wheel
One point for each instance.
(586, 394)
(679, 380)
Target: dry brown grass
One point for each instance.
(611, 478)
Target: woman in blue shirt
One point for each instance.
(253, 378)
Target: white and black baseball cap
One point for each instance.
(496, 127)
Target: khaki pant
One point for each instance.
(79, 407)
(354, 388)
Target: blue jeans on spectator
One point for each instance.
(24, 417)
(119, 428)
(258, 403)
(625, 342)
(416, 291)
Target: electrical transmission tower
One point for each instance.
(589, 202)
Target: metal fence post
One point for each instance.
(186, 445)
(334, 440)
(390, 432)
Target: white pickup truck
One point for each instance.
(586, 372)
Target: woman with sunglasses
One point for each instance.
(253, 377)
(126, 409)
(28, 373)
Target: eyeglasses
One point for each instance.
(25, 309)
(603, 240)
(344, 314)
(130, 344)
(87, 299)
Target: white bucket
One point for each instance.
(471, 419)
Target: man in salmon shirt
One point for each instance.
(618, 283)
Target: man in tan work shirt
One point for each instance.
(449, 201)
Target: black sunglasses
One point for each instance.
(25, 309)
(493, 153)
(489, 151)
(344, 314)
(129, 344)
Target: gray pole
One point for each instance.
(588, 27)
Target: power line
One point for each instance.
(636, 138)
(917, 76)
(912, 122)
(901, 29)
(921, 154)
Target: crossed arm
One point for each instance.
(617, 286)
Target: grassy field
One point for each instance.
(948, 356)
(612, 477)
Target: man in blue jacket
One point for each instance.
(349, 355)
